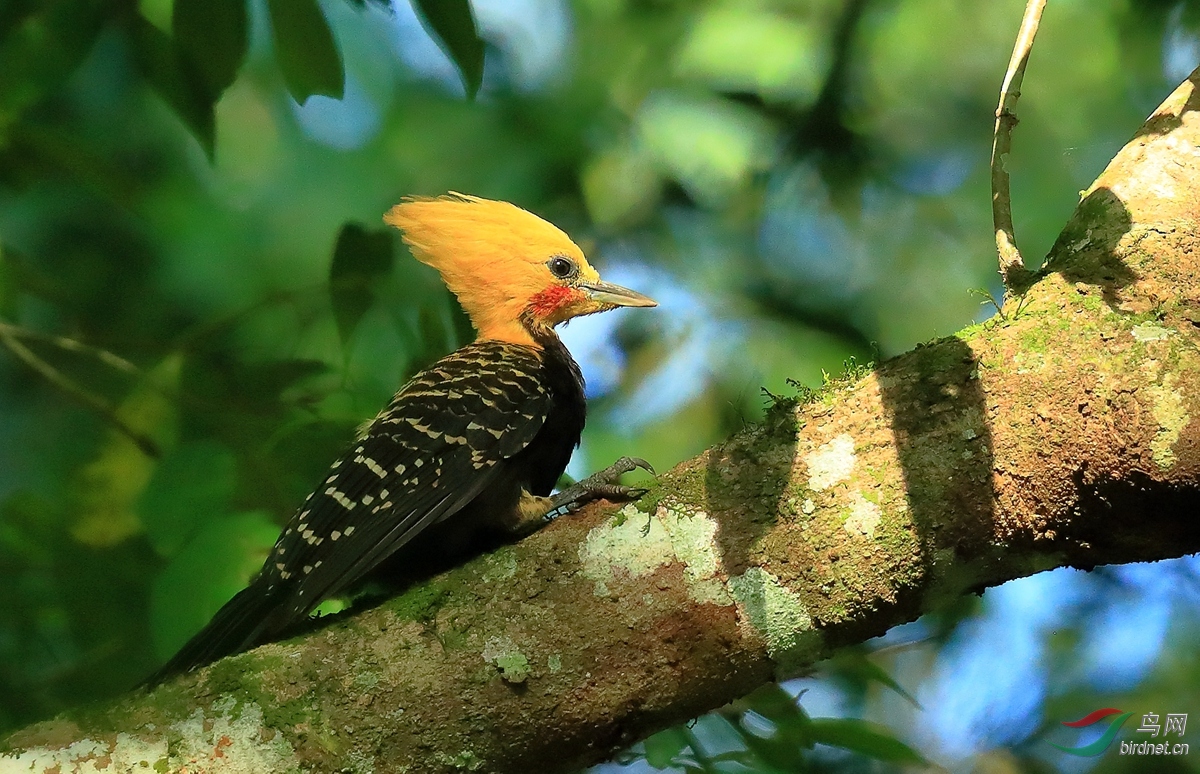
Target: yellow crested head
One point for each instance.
(512, 271)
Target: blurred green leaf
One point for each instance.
(307, 54)
(190, 487)
(269, 380)
(212, 34)
(861, 736)
(662, 748)
(621, 185)
(108, 487)
(434, 336)
(40, 46)
(213, 566)
(749, 49)
(48, 151)
(1189, 16)
(710, 146)
(27, 530)
(946, 615)
(854, 666)
(783, 747)
(453, 24)
(173, 76)
(157, 12)
(773, 754)
(775, 704)
(8, 286)
(360, 259)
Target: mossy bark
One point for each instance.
(1062, 432)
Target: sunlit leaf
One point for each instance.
(213, 566)
(212, 34)
(157, 12)
(453, 24)
(360, 259)
(331, 606)
(860, 736)
(190, 487)
(108, 488)
(174, 78)
(307, 54)
(710, 146)
(662, 748)
(749, 49)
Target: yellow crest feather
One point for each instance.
(491, 254)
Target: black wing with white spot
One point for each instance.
(441, 442)
(437, 445)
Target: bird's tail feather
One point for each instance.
(251, 618)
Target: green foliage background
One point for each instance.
(190, 236)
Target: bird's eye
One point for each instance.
(563, 268)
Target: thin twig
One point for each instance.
(1012, 265)
(73, 346)
(988, 298)
(9, 341)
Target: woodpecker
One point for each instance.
(474, 443)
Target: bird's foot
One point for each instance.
(604, 485)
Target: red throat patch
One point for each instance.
(553, 298)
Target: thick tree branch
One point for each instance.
(1063, 435)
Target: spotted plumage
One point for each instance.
(461, 442)
(471, 445)
(463, 439)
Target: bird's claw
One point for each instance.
(604, 484)
(619, 468)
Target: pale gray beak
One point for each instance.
(608, 293)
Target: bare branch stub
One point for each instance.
(1012, 264)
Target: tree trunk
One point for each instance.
(1061, 432)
